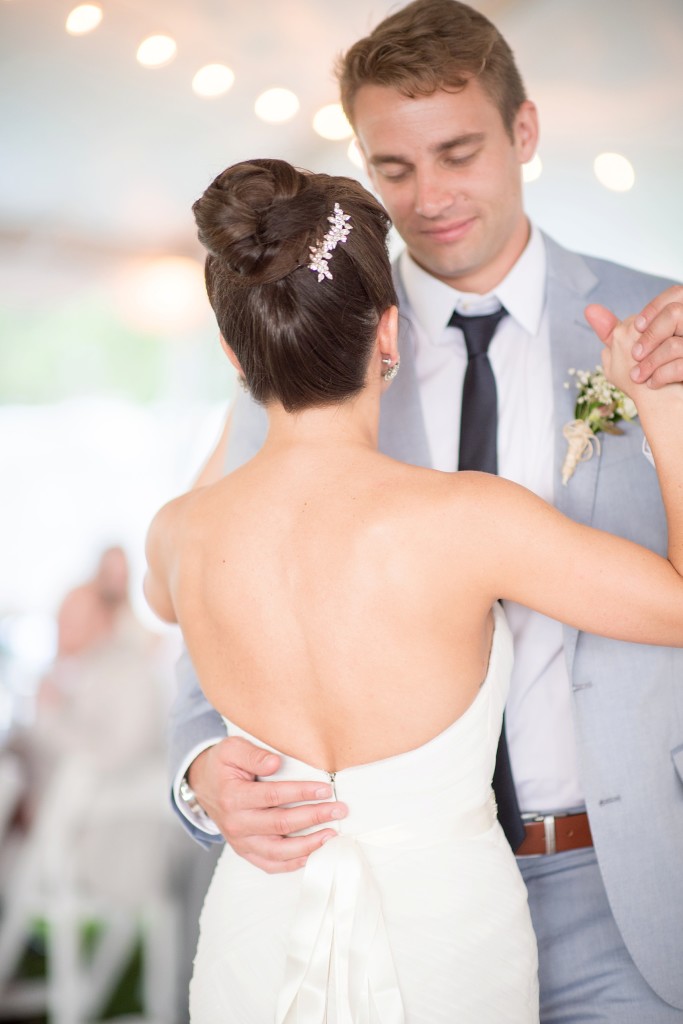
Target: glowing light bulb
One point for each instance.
(330, 122)
(83, 19)
(354, 154)
(156, 51)
(533, 169)
(614, 171)
(275, 106)
(213, 80)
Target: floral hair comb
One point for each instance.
(322, 253)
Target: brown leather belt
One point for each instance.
(554, 834)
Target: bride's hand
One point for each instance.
(618, 337)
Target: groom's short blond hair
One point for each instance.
(430, 45)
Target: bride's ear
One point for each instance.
(387, 335)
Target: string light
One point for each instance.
(156, 51)
(330, 122)
(83, 19)
(354, 154)
(275, 106)
(213, 80)
(614, 171)
(532, 170)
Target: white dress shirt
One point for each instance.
(539, 719)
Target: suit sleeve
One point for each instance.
(193, 725)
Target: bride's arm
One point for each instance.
(661, 415)
(155, 584)
(530, 553)
(158, 547)
(214, 467)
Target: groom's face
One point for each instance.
(449, 175)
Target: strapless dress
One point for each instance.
(415, 913)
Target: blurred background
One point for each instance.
(113, 119)
(112, 383)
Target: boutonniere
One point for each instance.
(599, 406)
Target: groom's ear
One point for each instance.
(387, 334)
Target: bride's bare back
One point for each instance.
(330, 605)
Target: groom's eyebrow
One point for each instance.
(459, 141)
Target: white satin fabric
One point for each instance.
(414, 914)
(339, 943)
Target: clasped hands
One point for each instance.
(657, 348)
(258, 818)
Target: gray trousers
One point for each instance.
(586, 973)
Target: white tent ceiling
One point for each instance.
(102, 157)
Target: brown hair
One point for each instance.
(299, 341)
(430, 45)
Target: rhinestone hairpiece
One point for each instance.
(322, 253)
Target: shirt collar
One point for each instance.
(522, 292)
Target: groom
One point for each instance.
(444, 124)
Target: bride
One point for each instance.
(342, 609)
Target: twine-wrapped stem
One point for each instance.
(582, 444)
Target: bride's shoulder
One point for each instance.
(180, 513)
(460, 488)
(465, 509)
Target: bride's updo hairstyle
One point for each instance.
(299, 341)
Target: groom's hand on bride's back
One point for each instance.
(253, 815)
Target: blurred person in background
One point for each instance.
(104, 694)
(94, 835)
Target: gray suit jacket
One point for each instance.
(628, 698)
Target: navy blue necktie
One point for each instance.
(479, 415)
(478, 450)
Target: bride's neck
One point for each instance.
(351, 424)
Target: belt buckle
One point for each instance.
(550, 834)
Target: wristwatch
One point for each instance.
(190, 797)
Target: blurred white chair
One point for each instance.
(11, 787)
(102, 850)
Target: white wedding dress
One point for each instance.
(414, 913)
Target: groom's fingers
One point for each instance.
(653, 308)
(258, 796)
(250, 816)
(659, 349)
(277, 855)
(263, 836)
(602, 320)
(236, 752)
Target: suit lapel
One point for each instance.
(572, 345)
